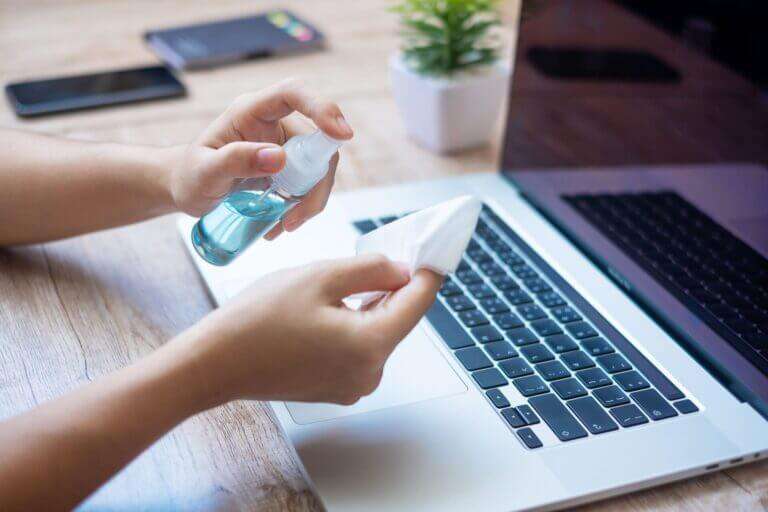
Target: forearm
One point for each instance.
(53, 188)
(54, 456)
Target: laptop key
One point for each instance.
(529, 438)
(581, 330)
(504, 282)
(597, 346)
(613, 363)
(592, 415)
(537, 285)
(511, 258)
(447, 327)
(480, 291)
(528, 415)
(500, 350)
(513, 417)
(514, 368)
(551, 299)
(684, 406)
(536, 353)
(449, 288)
(522, 336)
(524, 271)
(531, 312)
(499, 246)
(473, 358)
(486, 334)
(610, 396)
(546, 327)
(531, 385)
(388, 219)
(365, 226)
(497, 398)
(653, 404)
(517, 297)
(491, 268)
(485, 232)
(576, 360)
(489, 378)
(494, 306)
(473, 318)
(557, 417)
(631, 381)
(628, 415)
(469, 277)
(568, 388)
(507, 321)
(459, 303)
(565, 314)
(478, 255)
(593, 378)
(552, 370)
(561, 343)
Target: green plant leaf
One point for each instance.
(445, 36)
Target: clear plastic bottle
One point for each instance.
(258, 204)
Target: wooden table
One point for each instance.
(73, 310)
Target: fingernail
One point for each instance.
(404, 270)
(344, 126)
(271, 158)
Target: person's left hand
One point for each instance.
(245, 142)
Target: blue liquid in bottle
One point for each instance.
(245, 216)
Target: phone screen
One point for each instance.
(99, 89)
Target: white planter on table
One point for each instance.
(448, 114)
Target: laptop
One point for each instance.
(607, 329)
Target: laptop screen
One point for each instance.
(627, 82)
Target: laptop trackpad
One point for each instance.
(415, 372)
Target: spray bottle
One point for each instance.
(258, 204)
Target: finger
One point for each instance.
(368, 272)
(275, 232)
(398, 315)
(245, 160)
(314, 202)
(294, 125)
(280, 100)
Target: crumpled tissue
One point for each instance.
(433, 238)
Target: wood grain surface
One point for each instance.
(74, 310)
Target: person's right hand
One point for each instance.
(290, 337)
(246, 142)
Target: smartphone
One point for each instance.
(614, 65)
(220, 42)
(63, 94)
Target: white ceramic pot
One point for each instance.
(449, 114)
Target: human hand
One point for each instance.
(289, 336)
(245, 142)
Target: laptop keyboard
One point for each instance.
(542, 355)
(720, 279)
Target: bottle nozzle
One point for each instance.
(306, 162)
(319, 147)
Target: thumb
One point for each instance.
(399, 314)
(246, 160)
(368, 272)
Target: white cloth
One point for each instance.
(433, 238)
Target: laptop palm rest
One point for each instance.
(415, 372)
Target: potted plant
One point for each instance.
(448, 81)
